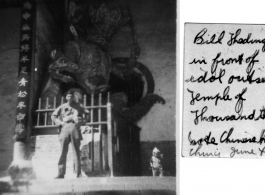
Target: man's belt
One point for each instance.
(68, 122)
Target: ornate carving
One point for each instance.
(85, 63)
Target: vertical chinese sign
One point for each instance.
(24, 69)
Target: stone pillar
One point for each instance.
(21, 167)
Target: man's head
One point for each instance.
(69, 96)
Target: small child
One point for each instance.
(156, 163)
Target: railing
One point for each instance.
(122, 137)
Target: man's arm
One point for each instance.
(83, 110)
(55, 117)
(75, 116)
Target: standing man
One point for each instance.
(67, 118)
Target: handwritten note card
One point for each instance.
(224, 91)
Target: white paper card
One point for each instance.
(224, 91)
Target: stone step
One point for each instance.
(99, 185)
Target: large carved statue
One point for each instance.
(85, 63)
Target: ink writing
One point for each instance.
(200, 39)
(239, 103)
(200, 116)
(198, 61)
(198, 97)
(223, 62)
(207, 139)
(235, 40)
(204, 79)
(248, 79)
(237, 151)
(226, 138)
(223, 100)
(199, 153)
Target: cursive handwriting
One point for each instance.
(201, 117)
(235, 40)
(204, 79)
(207, 139)
(262, 151)
(234, 67)
(251, 61)
(198, 97)
(197, 152)
(239, 103)
(226, 138)
(198, 61)
(237, 151)
(223, 62)
(199, 39)
(248, 79)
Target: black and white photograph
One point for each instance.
(88, 97)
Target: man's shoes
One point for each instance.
(80, 176)
(59, 177)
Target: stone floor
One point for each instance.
(96, 185)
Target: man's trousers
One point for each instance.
(69, 133)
